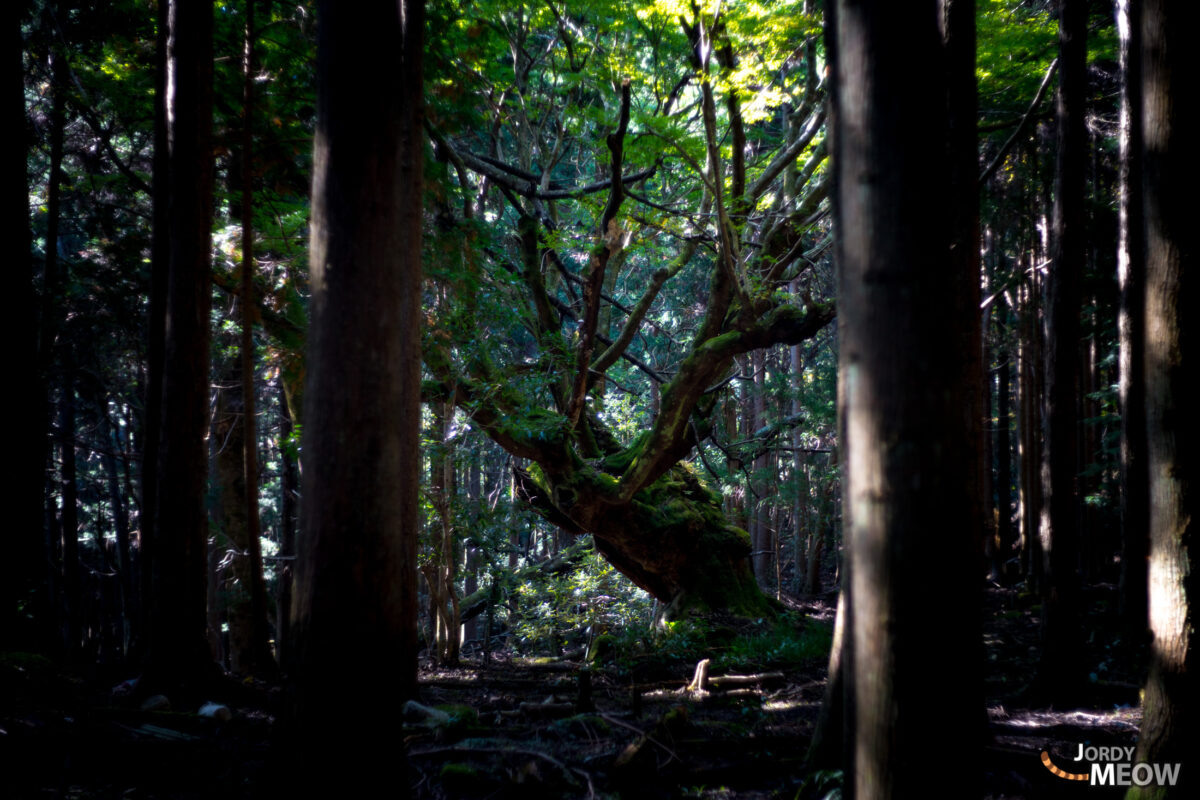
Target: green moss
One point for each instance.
(461, 778)
(460, 713)
(619, 462)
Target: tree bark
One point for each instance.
(20, 584)
(288, 518)
(1131, 275)
(908, 439)
(1171, 708)
(354, 610)
(1061, 669)
(179, 658)
(72, 630)
(156, 336)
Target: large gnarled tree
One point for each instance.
(679, 157)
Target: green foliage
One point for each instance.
(822, 785)
(786, 642)
(576, 609)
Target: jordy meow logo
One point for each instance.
(1113, 766)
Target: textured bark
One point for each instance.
(21, 583)
(108, 447)
(354, 610)
(908, 440)
(1005, 538)
(288, 518)
(178, 655)
(72, 622)
(1131, 274)
(1061, 669)
(244, 591)
(1171, 709)
(156, 337)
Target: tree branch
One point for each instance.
(1020, 131)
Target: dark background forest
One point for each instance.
(599, 399)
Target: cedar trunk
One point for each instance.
(178, 654)
(354, 609)
(1061, 670)
(1171, 710)
(905, 384)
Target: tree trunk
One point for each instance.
(72, 631)
(179, 656)
(156, 337)
(108, 446)
(354, 610)
(906, 395)
(1131, 274)
(1171, 709)
(1004, 530)
(1061, 669)
(249, 647)
(288, 489)
(21, 581)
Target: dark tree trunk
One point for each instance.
(236, 429)
(1131, 274)
(108, 447)
(908, 436)
(69, 520)
(1171, 709)
(179, 657)
(244, 594)
(356, 582)
(1004, 529)
(1061, 670)
(288, 518)
(21, 581)
(156, 324)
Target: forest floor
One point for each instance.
(538, 728)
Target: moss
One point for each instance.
(619, 462)
(602, 650)
(460, 713)
(460, 778)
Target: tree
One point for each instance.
(1171, 708)
(910, 524)
(1135, 498)
(178, 654)
(22, 327)
(624, 169)
(354, 609)
(1061, 668)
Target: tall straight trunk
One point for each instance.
(254, 567)
(288, 518)
(236, 426)
(356, 582)
(53, 278)
(21, 580)
(957, 25)
(1031, 441)
(1171, 709)
(178, 654)
(69, 519)
(762, 528)
(1131, 275)
(475, 500)
(1004, 530)
(1061, 669)
(244, 592)
(156, 325)
(906, 385)
(109, 445)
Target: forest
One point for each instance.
(600, 398)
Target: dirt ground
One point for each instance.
(541, 728)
